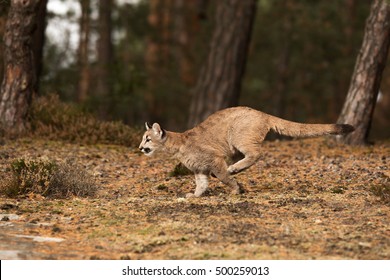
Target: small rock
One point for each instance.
(365, 244)
(9, 217)
(41, 238)
(10, 255)
(67, 219)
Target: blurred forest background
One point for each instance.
(139, 61)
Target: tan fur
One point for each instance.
(228, 133)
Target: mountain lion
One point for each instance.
(234, 133)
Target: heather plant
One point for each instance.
(47, 178)
(382, 191)
(50, 118)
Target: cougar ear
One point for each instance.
(147, 126)
(158, 130)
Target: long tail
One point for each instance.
(294, 129)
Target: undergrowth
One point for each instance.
(382, 191)
(55, 120)
(47, 178)
(180, 170)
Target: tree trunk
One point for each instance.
(152, 58)
(38, 41)
(219, 83)
(158, 53)
(84, 78)
(3, 19)
(359, 105)
(283, 58)
(103, 81)
(342, 83)
(18, 83)
(202, 8)
(187, 19)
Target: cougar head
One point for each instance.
(153, 139)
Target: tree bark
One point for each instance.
(18, 83)
(38, 41)
(342, 83)
(219, 83)
(83, 61)
(152, 58)
(187, 19)
(104, 56)
(360, 102)
(283, 58)
(3, 19)
(158, 53)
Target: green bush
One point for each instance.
(50, 118)
(47, 178)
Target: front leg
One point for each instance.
(202, 183)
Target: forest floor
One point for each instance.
(305, 199)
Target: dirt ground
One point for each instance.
(305, 199)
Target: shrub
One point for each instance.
(50, 118)
(47, 178)
(383, 191)
(180, 170)
(69, 179)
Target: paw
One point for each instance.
(239, 190)
(190, 195)
(232, 170)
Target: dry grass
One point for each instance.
(48, 179)
(382, 191)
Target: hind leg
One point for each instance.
(250, 152)
(220, 171)
(243, 164)
(250, 158)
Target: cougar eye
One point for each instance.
(148, 140)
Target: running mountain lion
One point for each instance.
(234, 133)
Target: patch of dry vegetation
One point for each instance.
(55, 120)
(382, 191)
(48, 179)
